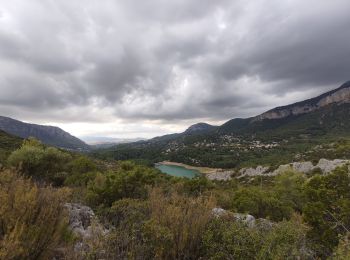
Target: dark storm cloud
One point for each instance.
(168, 60)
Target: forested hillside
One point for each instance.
(68, 206)
(262, 143)
(47, 134)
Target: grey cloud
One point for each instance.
(116, 76)
(168, 60)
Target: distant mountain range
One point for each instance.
(328, 109)
(107, 142)
(50, 135)
(193, 130)
(338, 96)
(98, 140)
(325, 115)
(283, 130)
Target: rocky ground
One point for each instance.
(324, 165)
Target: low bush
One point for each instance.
(32, 219)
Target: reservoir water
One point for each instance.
(177, 171)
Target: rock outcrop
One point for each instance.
(260, 170)
(86, 227)
(83, 222)
(324, 165)
(340, 95)
(303, 167)
(247, 219)
(80, 219)
(218, 212)
(220, 175)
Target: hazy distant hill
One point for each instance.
(50, 135)
(196, 129)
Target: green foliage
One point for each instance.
(234, 240)
(260, 203)
(127, 218)
(165, 226)
(125, 212)
(82, 170)
(82, 165)
(197, 186)
(130, 181)
(183, 221)
(286, 240)
(230, 240)
(342, 252)
(80, 180)
(32, 220)
(275, 200)
(295, 135)
(288, 188)
(151, 215)
(327, 209)
(8, 144)
(40, 162)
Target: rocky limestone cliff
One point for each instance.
(340, 95)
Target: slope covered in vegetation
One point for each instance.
(272, 138)
(50, 135)
(150, 215)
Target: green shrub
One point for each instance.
(260, 204)
(32, 220)
(327, 209)
(130, 181)
(40, 162)
(227, 239)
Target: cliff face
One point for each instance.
(47, 134)
(340, 95)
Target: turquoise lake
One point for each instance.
(177, 171)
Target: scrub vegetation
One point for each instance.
(151, 215)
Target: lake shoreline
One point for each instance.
(202, 170)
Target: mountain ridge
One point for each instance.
(50, 135)
(341, 94)
(248, 141)
(269, 119)
(199, 128)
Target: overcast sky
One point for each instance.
(144, 68)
